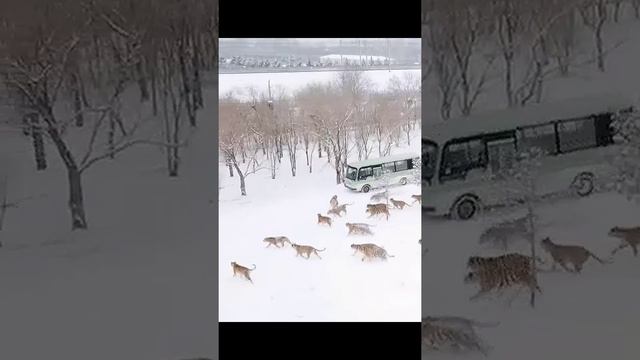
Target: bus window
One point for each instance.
(542, 137)
(377, 171)
(402, 165)
(365, 173)
(460, 157)
(388, 168)
(577, 134)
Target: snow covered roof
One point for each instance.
(384, 159)
(506, 119)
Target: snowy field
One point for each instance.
(136, 285)
(338, 287)
(587, 316)
(292, 81)
(590, 316)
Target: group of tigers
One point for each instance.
(369, 251)
(499, 272)
(513, 269)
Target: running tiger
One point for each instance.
(499, 272)
(416, 198)
(371, 251)
(306, 249)
(399, 204)
(324, 220)
(339, 209)
(358, 229)
(498, 279)
(564, 254)
(438, 337)
(334, 201)
(511, 260)
(629, 236)
(242, 270)
(380, 196)
(277, 241)
(377, 209)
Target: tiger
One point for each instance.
(324, 220)
(630, 237)
(503, 232)
(243, 270)
(498, 278)
(301, 250)
(277, 241)
(370, 251)
(564, 254)
(361, 229)
(380, 196)
(438, 337)
(512, 260)
(398, 204)
(334, 201)
(416, 198)
(376, 209)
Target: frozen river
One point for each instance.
(237, 84)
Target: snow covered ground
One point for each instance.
(139, 284)
(338, 287)
(590, 316)
(586, 316)
(292, 81)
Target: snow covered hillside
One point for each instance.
(338, 287)
(138, 283)
(587, 316)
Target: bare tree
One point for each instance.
(466, 31)
(234, 131)
(635, 4)
(594, 15)
(330, 114)
(84, 54)
(407, 90)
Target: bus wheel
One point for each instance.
(583, 184)
(366, 188)
(403, 181)
(465, 208)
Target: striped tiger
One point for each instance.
(438, 337)
(370, 251)
(511, 260)
(501, 278)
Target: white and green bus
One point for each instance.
(576, 136)
(376, 173)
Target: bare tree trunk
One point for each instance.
(600, 48)
(154, 90)
(142, 80)
(38, 141)
(243, 185)
(76, 198)
(77, 99)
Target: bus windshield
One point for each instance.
(429, 159)
(351, 173)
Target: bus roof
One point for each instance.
(384, 159)
(506, 119)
